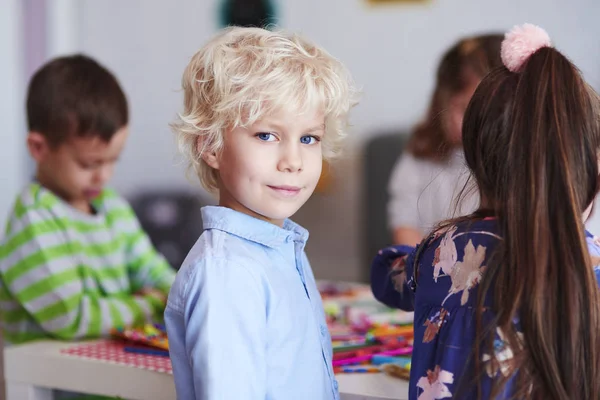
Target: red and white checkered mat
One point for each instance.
(113, 352)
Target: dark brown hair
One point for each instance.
(75, 96)
(468, 60)
(531, 140)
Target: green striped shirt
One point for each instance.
(68, 275)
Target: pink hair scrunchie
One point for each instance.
(520, 43)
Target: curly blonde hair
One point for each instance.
(245, 74)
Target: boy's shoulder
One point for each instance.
(217, 246)
(34, 196)
(35, 203)
(33, 199)
(33, 206)
(213, 252)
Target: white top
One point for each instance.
(423, 192)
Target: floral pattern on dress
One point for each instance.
(445, 255)
(451, 262)
(434, 385)
(467, 273)
(398, 273)
(433, 325)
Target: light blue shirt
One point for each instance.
(244, 316)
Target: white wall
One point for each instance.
(30, 32)
(62, 26)
(12, 152)
(391, 50)
(147, 44)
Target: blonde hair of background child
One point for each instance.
(245, 74)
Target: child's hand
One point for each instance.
(152, 292)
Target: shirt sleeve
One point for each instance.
(404, 188)
(147, 267)
(216, 321)
(391, 274)
(40, 267)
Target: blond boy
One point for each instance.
(245, 321)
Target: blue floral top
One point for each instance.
(444, 298)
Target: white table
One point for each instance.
(32, 370)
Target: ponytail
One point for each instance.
(531, 140)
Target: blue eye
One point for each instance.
(264, 136)
(309, 139)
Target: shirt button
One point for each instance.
(323, 330)
(335, 384)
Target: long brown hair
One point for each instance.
(469, 59)
(531, 140)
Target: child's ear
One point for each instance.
(211, 159)
(38, 146)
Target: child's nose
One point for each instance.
(291, 159)
(103, 174)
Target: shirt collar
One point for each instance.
(250, 228)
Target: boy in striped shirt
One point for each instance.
(74, 262)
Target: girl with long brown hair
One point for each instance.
(506, 300)
(427, 178)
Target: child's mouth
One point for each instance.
(92, 193)
(287, 191)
